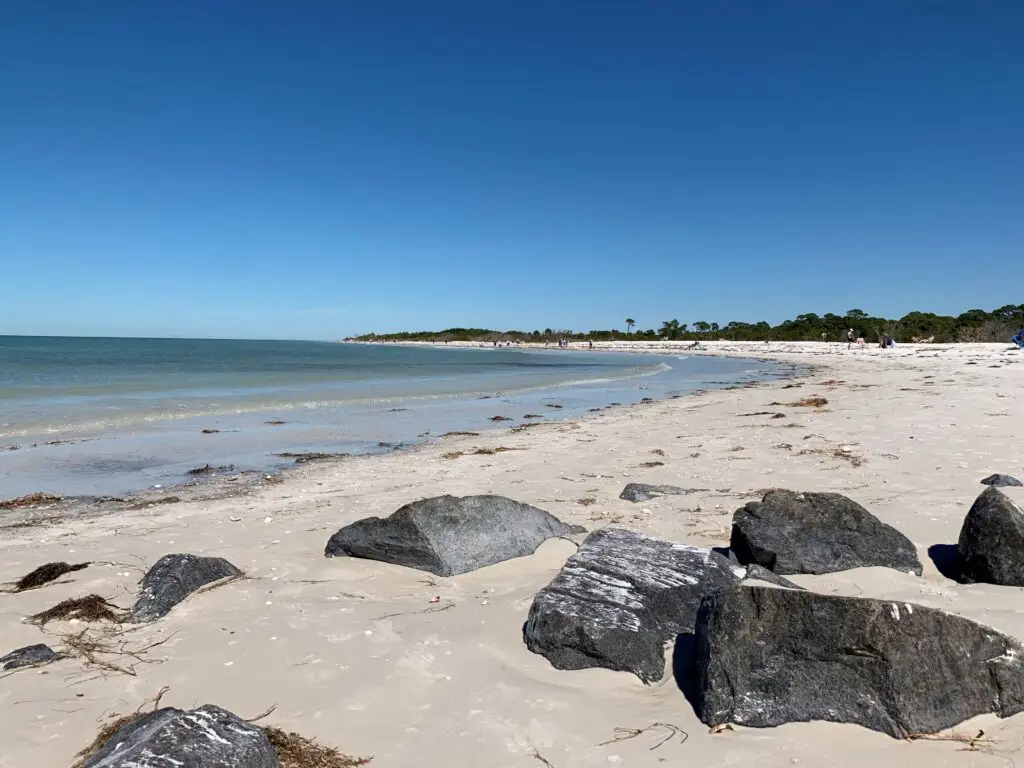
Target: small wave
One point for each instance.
(183, 412)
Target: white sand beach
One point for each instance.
(410, 669)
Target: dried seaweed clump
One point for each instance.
(810, 402)
(478, 452)
(295, 751)
(104, 735)
(32, 500)
(89, 608)
(44, 574)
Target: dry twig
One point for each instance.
(977, 743)
(625, 734)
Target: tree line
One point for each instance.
(974, 325)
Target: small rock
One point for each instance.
(637, 492)
(1002, 481)
(29, 656)
(172, 579)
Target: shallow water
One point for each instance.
(109, 416)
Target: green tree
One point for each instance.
(630, 322)
(670, 329)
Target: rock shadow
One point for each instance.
(682, 666)
(946, 558)
(727, 553)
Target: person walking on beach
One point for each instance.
(849, 338)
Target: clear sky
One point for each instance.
(317, 169)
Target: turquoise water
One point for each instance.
(107, 416)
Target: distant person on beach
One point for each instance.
(849, 338)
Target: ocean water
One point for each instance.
(85, 416)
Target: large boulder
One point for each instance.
(1002, 481)
(198, 738)
(620, 598)
(991, 546)
(29, 656)
(766, 656)
(642, 492)
(789, 532)
(172, 579)
(447, 535)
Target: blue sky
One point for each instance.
(318, 169)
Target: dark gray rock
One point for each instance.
(789, 532)
(641, 492)
(199, 738)
(1002, 481)
(991, 547)
(447, 535)
(760, 573)
(172, 579)
(29, 656)
(620, 598)
(767, 656)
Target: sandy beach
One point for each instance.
(410, 669)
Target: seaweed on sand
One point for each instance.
(89, 608)
(44, 574)
(295, 751)
(32, 500)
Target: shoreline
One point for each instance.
(224, 481)
(379, 660)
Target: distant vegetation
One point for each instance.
(973, 325)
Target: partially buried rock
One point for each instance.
(789, 532)
(642, 492)
(620, 598)
(767, 656)
(991, 546)
(172, 579)
(1002, 481)
(447, 535)
(29, 656)
(199, 738)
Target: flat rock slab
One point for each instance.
(620, 598)
(199, 738)
(29, 656)
(640, 492)
(767, 656)
(788, 532)
(172, 579)
(447, 535)
(991, 546)
(1002, 481)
